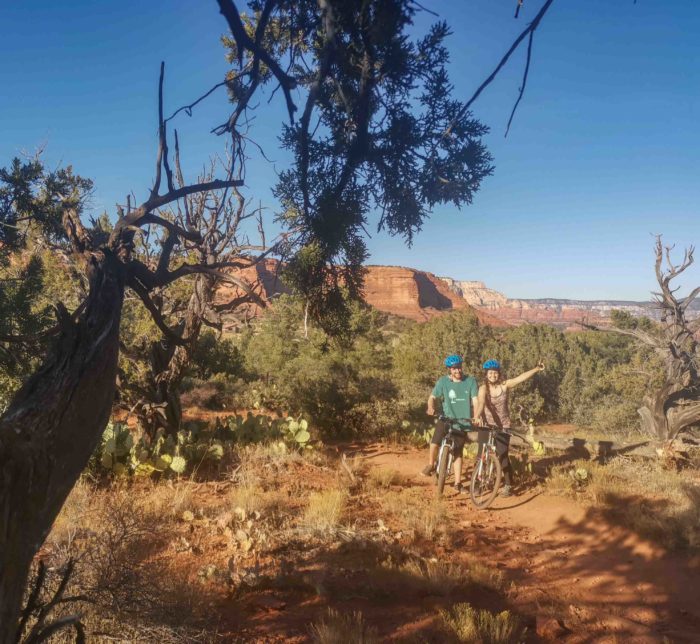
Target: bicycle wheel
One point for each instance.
(442, 468)
(486, 479)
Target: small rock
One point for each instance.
(187, 516)
(223, 520)
(241, 535)
(239, 513)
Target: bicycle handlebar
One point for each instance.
(452, 422)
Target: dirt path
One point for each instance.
(585, 579)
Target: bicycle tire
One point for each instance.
(484, 486)
(442, 469)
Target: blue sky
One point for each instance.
(603, 153)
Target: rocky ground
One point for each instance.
(263, 547)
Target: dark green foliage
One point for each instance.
(378, 132)
(419, 354)
(214, 354)
(28, 193)
(32, 278)
(323, 378)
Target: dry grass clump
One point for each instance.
(383, 478)
(325, 510)
(115, 537)
(429, 576)
(338, 628)
(653, 500)
(485, 576)
(467, 624)
(423, 521)
(434, 577)
(252, 497)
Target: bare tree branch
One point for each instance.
(531, 28)
(170, 335)
(229, 10)
(522, 87)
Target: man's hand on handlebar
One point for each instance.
(478, 422)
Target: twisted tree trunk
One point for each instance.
(50, 430)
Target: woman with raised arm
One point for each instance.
(492, 409)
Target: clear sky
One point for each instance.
(603, 153)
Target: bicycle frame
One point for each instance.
(486, 478)
(446, 451)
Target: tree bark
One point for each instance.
(168, 363)
(50, 430)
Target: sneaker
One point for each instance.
(428, 470)
(459, 489)
(506, 491)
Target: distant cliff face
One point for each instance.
(420, 296)
(405, 292)
(415, 294)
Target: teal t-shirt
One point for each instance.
(456, 396)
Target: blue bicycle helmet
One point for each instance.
(492, 364)
(453, 361)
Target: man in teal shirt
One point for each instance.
(458, 394)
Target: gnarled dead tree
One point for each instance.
(54, 423)
(675, 405)
(222, 253)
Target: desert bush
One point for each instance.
(467, 624)
(305, 371)
(216, 355)
(645, 496)
(114, 536)
(339, 628)
(221, 391)
(485, 576)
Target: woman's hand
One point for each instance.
(540, 365)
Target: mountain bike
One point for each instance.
(486, 477)
(446, 451)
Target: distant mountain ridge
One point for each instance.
(555, 311)
(420, 295)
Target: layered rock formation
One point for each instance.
(414, 294)
(420, 295)
(405, 292)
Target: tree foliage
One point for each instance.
(379, 130)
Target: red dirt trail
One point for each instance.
(603, 582)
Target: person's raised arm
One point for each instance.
(512, 382)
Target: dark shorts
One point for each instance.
(441, 428)
(502, 441)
